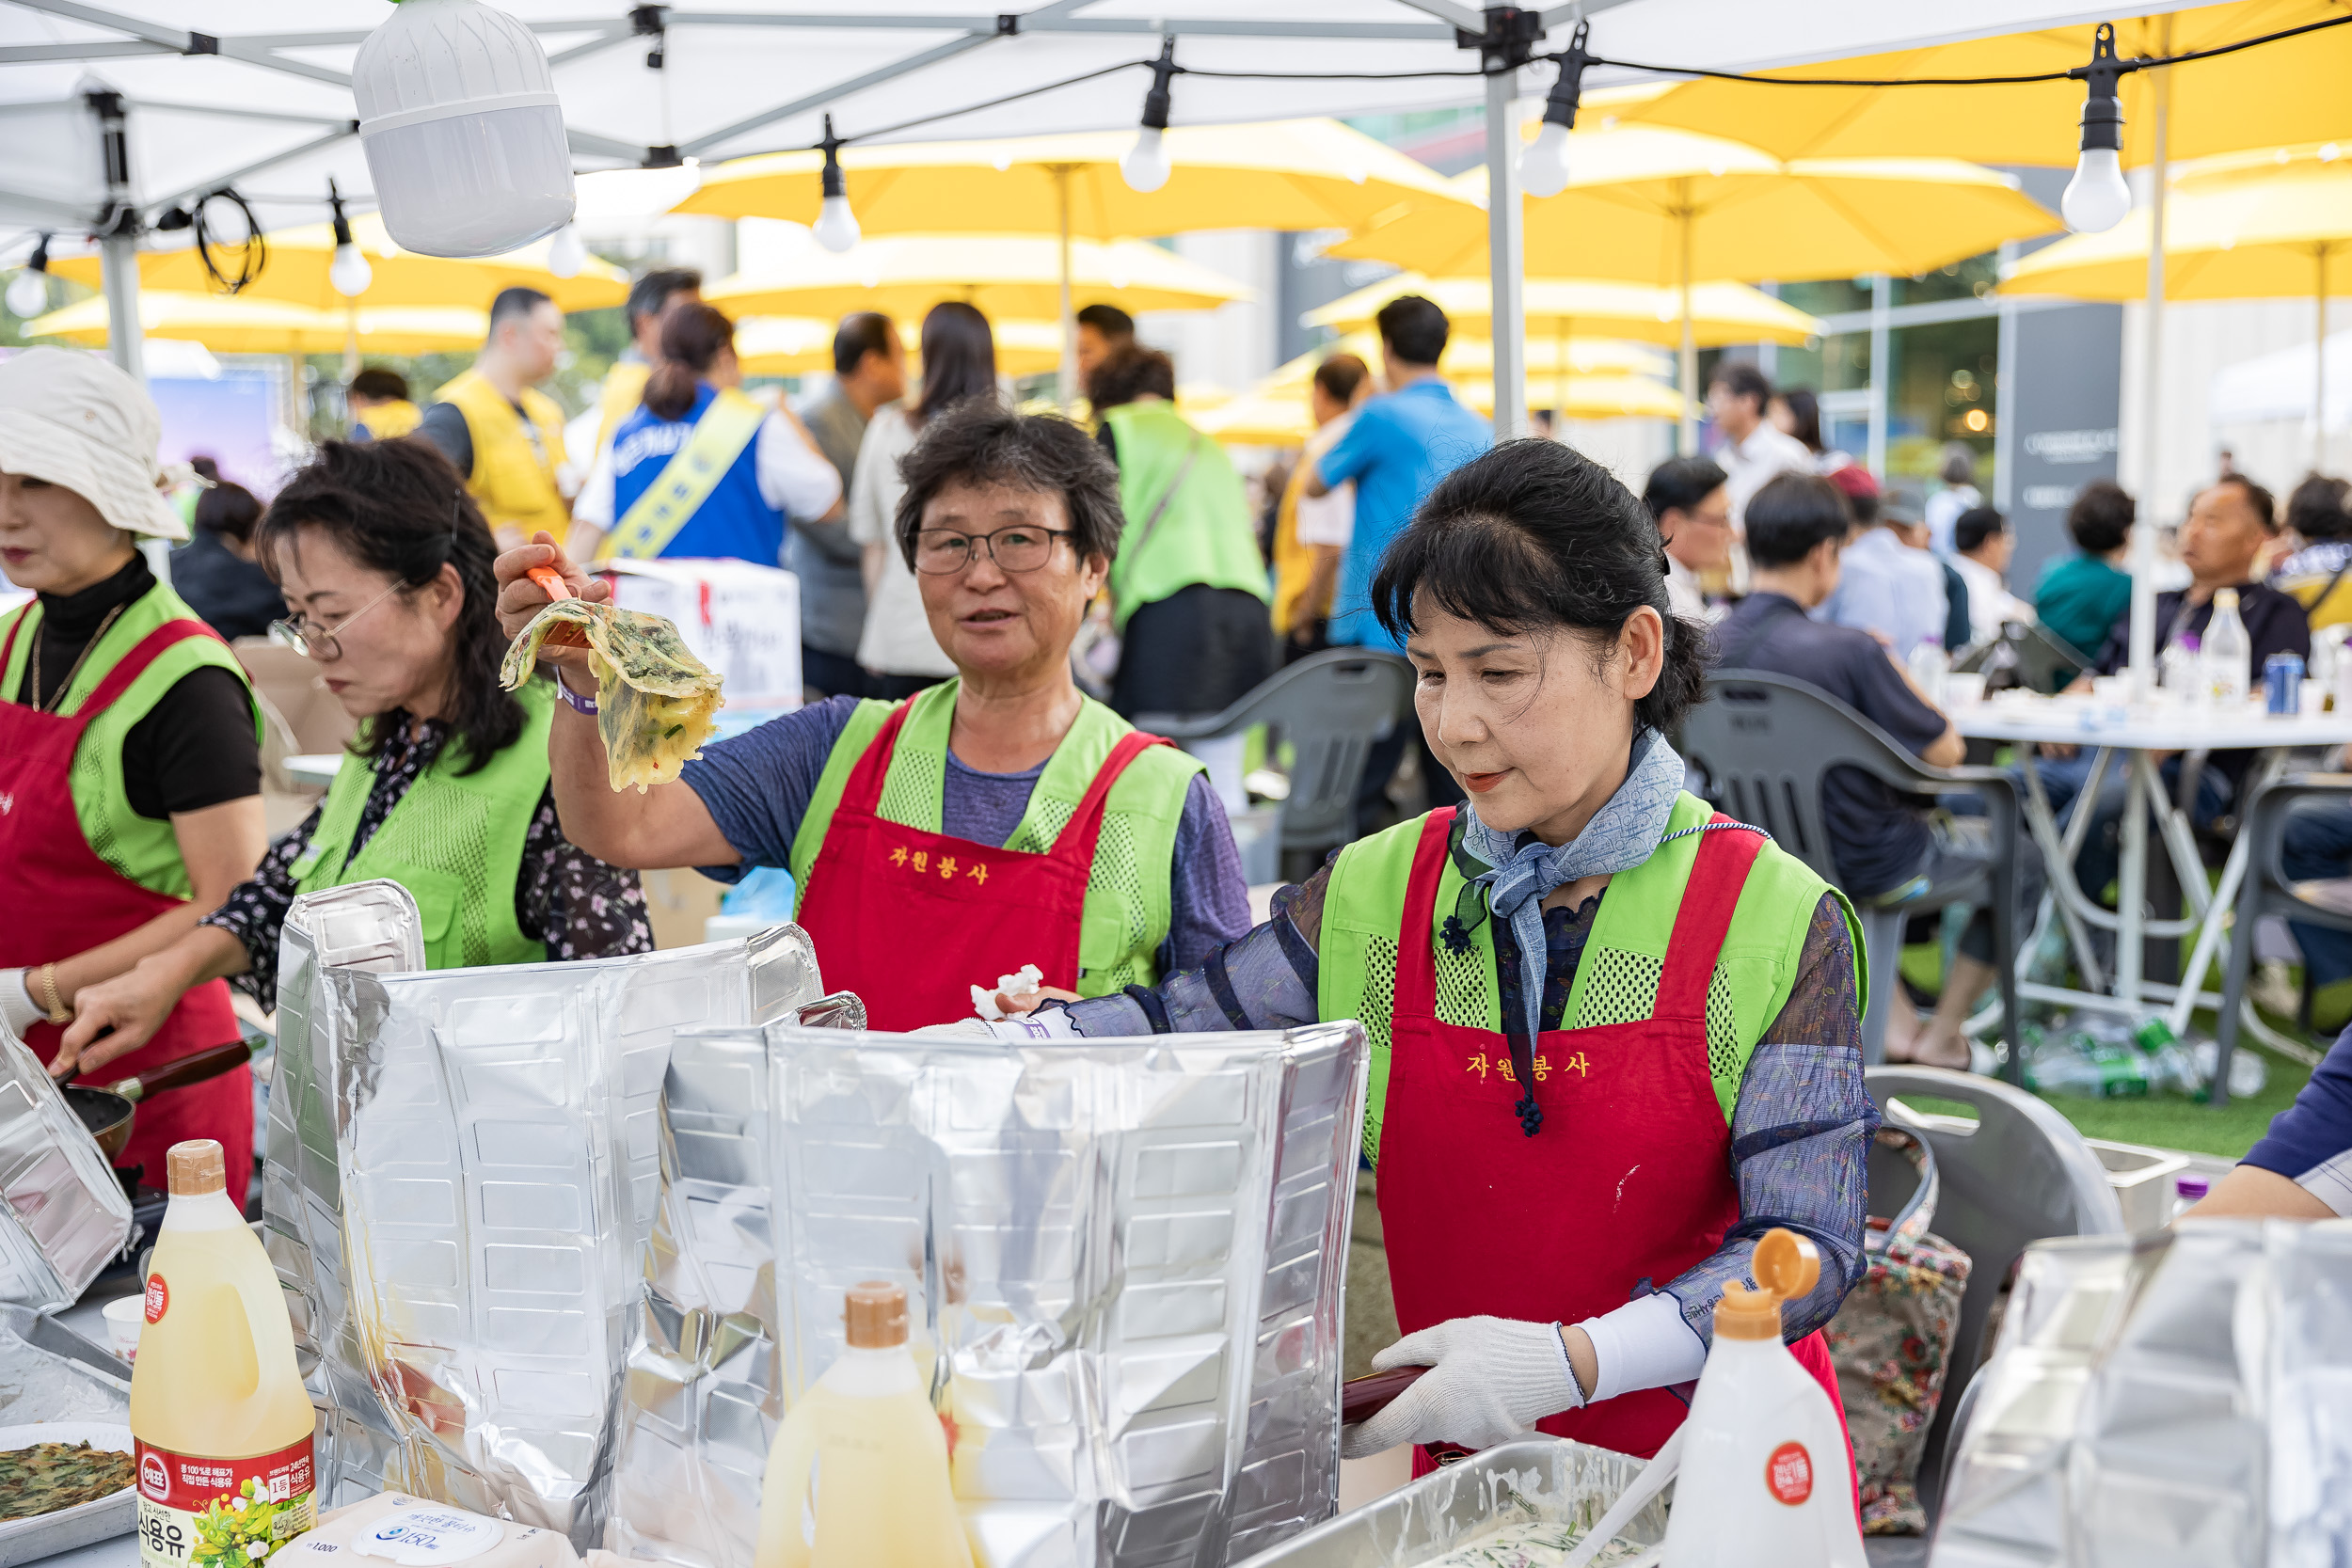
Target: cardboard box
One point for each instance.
(741, 619)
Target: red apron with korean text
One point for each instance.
(1629, 1182)
(47, 865)
(911, 920)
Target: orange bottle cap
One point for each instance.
(1786, 1266)
(197, 1167)
(876, 1315)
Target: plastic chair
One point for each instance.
(2268, 890)
(1331, 706)
(1765, 743)
(2017, 1174)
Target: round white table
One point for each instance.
(2141, 735)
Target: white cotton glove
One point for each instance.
(17, 1005)
(1489, 1380)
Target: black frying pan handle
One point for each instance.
(179, 1074)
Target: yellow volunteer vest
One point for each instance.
(389, 422)
(513, 477)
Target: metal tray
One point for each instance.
(1540, 1477)
(100, 1519)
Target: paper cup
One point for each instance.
(125, 1317)
(1959, 689)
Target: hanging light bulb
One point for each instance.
(1544, 165)
(2097, 197)
(1145, 167)
(566, 255)
(836, 226)
(349, 272)
(29, 291)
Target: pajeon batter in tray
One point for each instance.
(655, 699)
(52, 1476)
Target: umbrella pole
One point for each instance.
(1505, 231)
(1067, 388)
(2319, 375)
(2143, 558)
(1560, 380)
(1689, 367)
(351, 340)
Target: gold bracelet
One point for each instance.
(59, 1014)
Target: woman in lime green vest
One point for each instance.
(1614, 1036)
(385, 564)
(998, 820)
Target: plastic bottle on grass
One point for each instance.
(219, 1419)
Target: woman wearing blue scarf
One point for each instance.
(1615, 1036)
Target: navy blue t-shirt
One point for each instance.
(758, 785)
(2309, 1143)
(1879, 835)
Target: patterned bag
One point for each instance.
(1891, 1343)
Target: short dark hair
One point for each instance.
(1742, 379)
(1805, 412)
(1127, 373)
(1109, 319)
(651, 293)
(1532, 535)
(2316, 508)
(1787, 519)
(1679, 484)
(227, 509)
(861, 333)
(398, 507)
(377, 382)
(1972, 528)
(982, 441)
(2101, 517)
(1414, 329)
(1341, 376)
(2266, 505)
(514, 302)
(958, 360)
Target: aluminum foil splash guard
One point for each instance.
(63, 1214)
(1122, 1259)
(462, 1171)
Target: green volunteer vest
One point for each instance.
(1616, 981)
(140, 848)
(1205, 537)
(454, 841)
(1126, 914)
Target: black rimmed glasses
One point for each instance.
(943, 552)
(323, 643)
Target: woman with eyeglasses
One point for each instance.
(130, 746)
(385, 565)
(998, 819)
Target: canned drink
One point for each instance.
(2283, 683)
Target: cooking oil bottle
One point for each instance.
(219, 1419)
(1765, 1480)
(858, 1475)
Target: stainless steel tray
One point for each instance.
(1541, 1478)
(100, 1519)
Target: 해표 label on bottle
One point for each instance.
(199, 1512)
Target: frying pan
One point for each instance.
(107, 1112)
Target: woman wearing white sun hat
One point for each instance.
(130, 752)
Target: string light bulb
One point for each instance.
(1146, 167)
(836, 226)
(566, 255)
(2097, 197)
(29, 291)
(1544, 165)
(349, 272)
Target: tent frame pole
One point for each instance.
(1506, 272)
(1066, 386)
(2319, 363)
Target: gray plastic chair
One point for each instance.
(1765, 742)
(2268, 890)
(1331, 706)
(2017, 1174)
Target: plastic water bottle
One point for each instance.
(2225, 657)
(2180, 672)
(1930, 664)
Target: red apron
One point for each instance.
(911, 920)
(1628, 1182)
(46, 864)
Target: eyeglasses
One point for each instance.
(323, 643)
(943, 552)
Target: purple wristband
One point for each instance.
(578, 702)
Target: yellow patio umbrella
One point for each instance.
(1261, 418)
(297, 261)
(797, 345)
(237, 324)
(1286, 174)
(1655, 206)
(2261, 225)
(1720, 312)
(1015, 277)
(1586, 397)
(1468, 355)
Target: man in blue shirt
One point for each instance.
(1401, 443)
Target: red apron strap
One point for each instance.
(134, 664)
(863, 791)
(1726, 850)
(1416, 992)
(1075, 843)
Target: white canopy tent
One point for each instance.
(219, 92)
